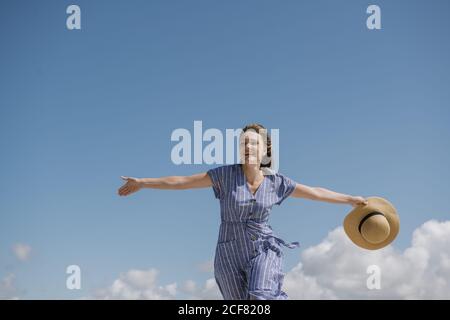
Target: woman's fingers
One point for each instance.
(123, 190)
(362, 201)
(129, 187)
(127, 190)
(359, 201)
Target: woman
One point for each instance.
(248, 257)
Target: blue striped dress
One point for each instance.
(248, 257)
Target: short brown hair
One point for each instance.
(259, 127)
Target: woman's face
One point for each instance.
(252, 147)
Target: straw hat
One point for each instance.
(374, 225)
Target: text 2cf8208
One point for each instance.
(243, 309)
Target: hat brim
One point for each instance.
(352, 220)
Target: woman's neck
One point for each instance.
(252, 172)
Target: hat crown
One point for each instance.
(374, 225)
(375, 228)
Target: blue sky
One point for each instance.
(360, 112)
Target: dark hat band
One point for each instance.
(375, 213)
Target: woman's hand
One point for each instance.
(132, 185)
(356, 201)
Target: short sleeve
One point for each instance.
(284, 189)
(216, 175)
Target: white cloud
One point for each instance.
(138, 284)
(22, 251)
(336, 268)
(7, 288)
(189, 286)
(209, 290)
(142, 284)
(332, 269)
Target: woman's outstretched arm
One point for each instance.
(322, 194)
(199, 180)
